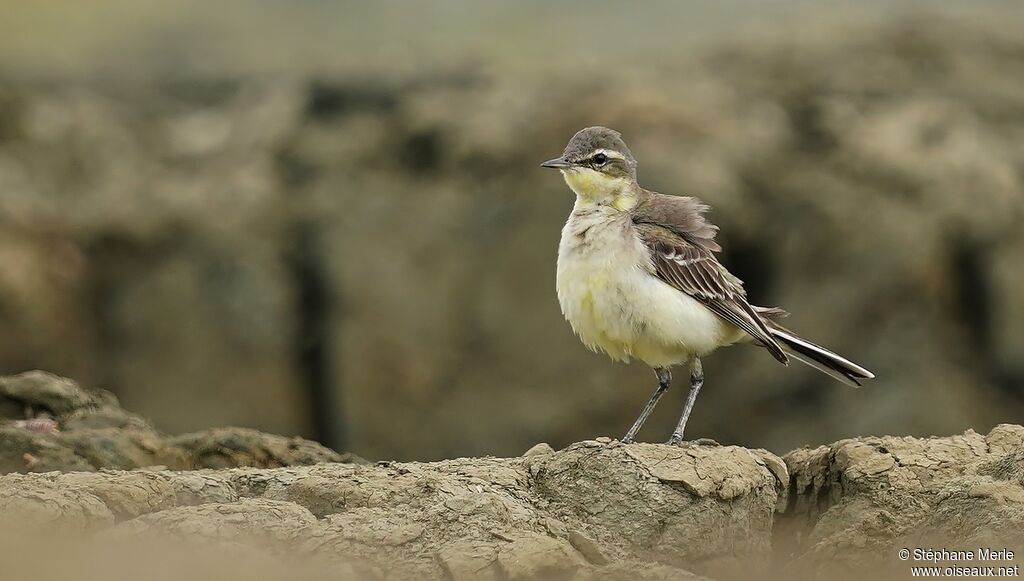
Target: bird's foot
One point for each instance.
(679, 441)
(627, 439)
(705, 442)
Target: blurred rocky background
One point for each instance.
(327, 220)
(50, 423)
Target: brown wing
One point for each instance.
(693, 269)
(682, 215)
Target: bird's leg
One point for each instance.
(664, 381)
(696, 381)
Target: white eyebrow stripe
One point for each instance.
(609, 153)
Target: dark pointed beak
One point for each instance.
(557, 163)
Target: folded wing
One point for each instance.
(690, 266)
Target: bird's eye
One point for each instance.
(599, 159)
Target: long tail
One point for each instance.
(818, 357)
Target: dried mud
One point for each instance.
(595, 509)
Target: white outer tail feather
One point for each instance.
(825, 361)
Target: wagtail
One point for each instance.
(637, 277)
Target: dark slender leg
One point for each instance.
(664, 381)
(696, 381)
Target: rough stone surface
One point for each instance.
(594, 510)
(590, 509)
(50, 423)
(854, 503)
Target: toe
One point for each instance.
(706, 442)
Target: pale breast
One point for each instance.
(615, 304)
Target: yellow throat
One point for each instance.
(600, 189)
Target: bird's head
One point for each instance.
(596, 163)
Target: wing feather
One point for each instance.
(692, 268)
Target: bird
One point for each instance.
(638, 277)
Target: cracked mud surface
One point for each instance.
(854, 503)
(595, 509)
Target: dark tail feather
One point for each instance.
(820, 358)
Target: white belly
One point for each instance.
(615, 304)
